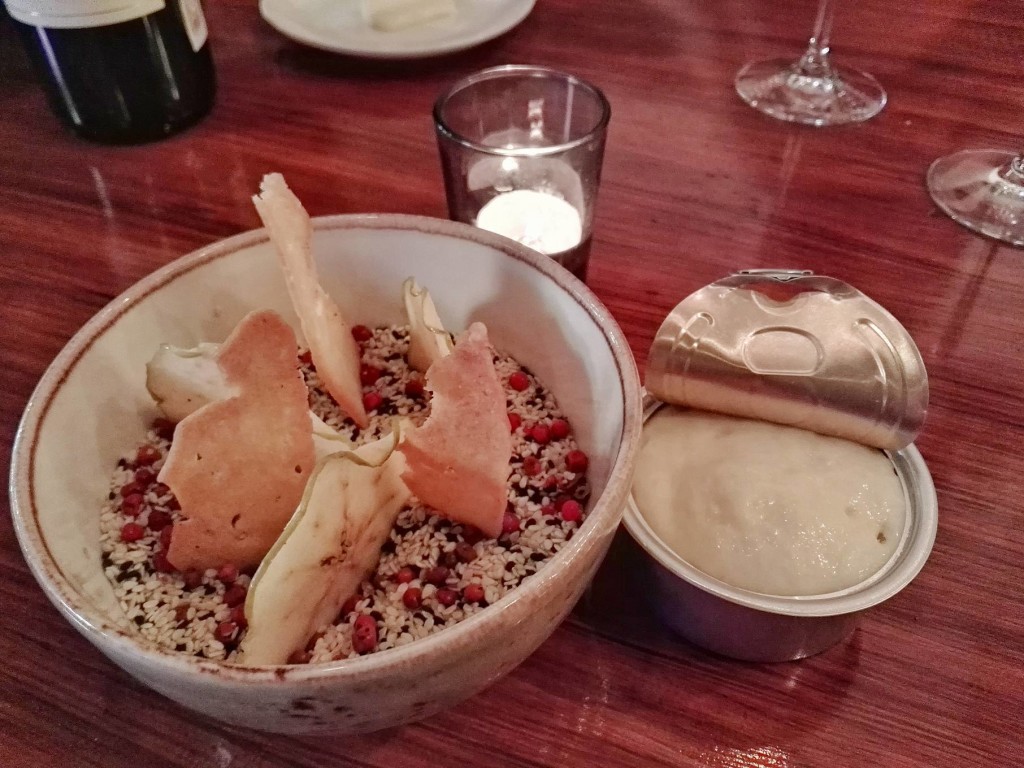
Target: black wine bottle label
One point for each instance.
(81, 14)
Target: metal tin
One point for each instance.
(755, 627)
(793, 348)
(806, 351)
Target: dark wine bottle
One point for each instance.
(120, 71)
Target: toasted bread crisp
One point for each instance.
(457, 462)
(238, 466)
(329, 336)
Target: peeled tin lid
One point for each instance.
(793, 348)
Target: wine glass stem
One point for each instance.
(815, 62)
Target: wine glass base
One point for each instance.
(971, 187)
(779, 88)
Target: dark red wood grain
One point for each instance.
(695, 184)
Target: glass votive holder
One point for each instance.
(521, 150)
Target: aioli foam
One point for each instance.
(769, 508)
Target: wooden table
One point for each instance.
(696, 184)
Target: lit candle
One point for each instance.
(538, 220)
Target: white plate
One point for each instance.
(338, 26)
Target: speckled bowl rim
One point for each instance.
(902, 567)
(107, 635)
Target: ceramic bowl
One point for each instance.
(92, 404)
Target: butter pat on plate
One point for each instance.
(395, 15)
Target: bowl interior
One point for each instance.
(92, 404)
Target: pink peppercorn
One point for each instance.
(465, 552)
(576, 461)
(509, 523)
(144, 476)
(132, 532)
(372, 401)
(368, 375)
(361, 333)
(162, 564)
(193, 579)
(158, 520)
(560, 429)
(447, 597)
(471, 534)
(518, 381)
(414, 388)
(228, 573)
(413, 598)
(514, 421)
(132, 505)
(235, 595)
(571, 511)
(238, 616)
(132, 489)
(540, 434)
(531, 466)
(147, 454)
(226, 631)
(364, 634)
(405, 575)
(437, 575)
(473, 593)
(165, 429)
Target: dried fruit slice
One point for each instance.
(458, 460)
(330, 545)
(428, 340)
(182, 381)
(326, 439)
(329, 336)
(236, 487)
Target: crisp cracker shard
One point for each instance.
(182, 381)
(331, 544)
(428, 340)
(237, 466)
(328, 335)
(458, 460)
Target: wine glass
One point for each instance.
(810, 90)
(983, 189)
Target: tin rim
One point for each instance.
(916, 544)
